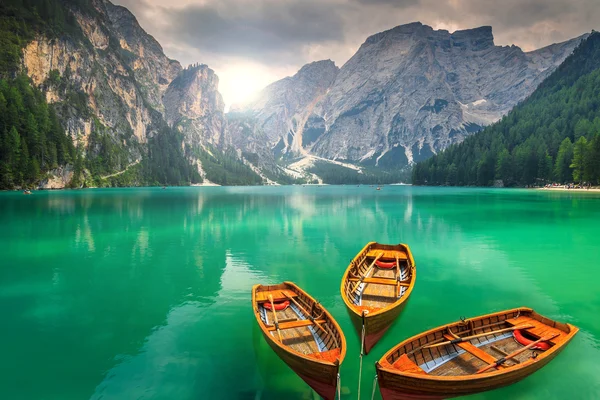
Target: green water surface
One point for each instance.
(145, 293)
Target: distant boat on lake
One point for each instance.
(375, 288)
(302, 333)
(471, 356)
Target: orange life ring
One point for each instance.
(385, 265)
(524, 341)
(278, 306)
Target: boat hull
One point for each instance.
(377, 322)
(413, 383)
(397, 387)
(375, 326)
(321, 378)
(319, 370)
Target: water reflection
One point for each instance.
(146, 291)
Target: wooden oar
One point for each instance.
(275, 318)
(466, 338)
(313, 320)
(398, 276)
(499, 350)
(501, 361)
(366, 272)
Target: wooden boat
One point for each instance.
(471, 356)
(302, 333)
(375, 288)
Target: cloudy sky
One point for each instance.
(251, 43)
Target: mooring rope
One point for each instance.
(374, 386)
(362, 347)
(339, 389)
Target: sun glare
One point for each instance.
(239, 84)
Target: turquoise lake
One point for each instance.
(145, 293)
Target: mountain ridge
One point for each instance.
(400, 98)
(128, 108)
(554, 135)
(135, 116)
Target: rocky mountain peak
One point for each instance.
(478, 38)
(191, 93)
(194, 105)
(406, 94)
(317, 70)
(413, 28)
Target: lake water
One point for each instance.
(145, 293)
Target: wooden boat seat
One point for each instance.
(388, 254)
(295, 324)
(380, 281)
(475, 351)
(539, 330)
(329, 355)
(278, 295)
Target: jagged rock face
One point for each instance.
(412, 91)
(101, 84)
(123, 84)
(194, 105)
(144, 55)
(282, 110)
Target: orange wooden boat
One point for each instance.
(375, 288)
(471, 356)
(302, 333)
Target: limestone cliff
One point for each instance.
(114, 88)
(195, 107)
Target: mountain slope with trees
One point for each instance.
(554, 135)
(88, 98)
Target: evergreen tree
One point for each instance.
(579, 152)
(562, 165)
(534, 142)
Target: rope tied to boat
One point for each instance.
(339, 387)
(362, 349)
(374, 386)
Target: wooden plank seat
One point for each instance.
(295, 324)
(380, 281)
(278, 295)
(389, 255)
(475, 351)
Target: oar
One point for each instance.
(313, 320)
(516, 353)
(366, 272)
(466, 338)
(275, 318)
(398, 276)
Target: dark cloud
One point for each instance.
(279, 36)
(271, 31)
(393, 3)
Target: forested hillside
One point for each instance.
(95, 118)
(554, 135)
(337, 175)
(31, 138)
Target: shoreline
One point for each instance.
(562, 189)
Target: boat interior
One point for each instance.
(303, 324)
(486, 340)
(378, 278)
